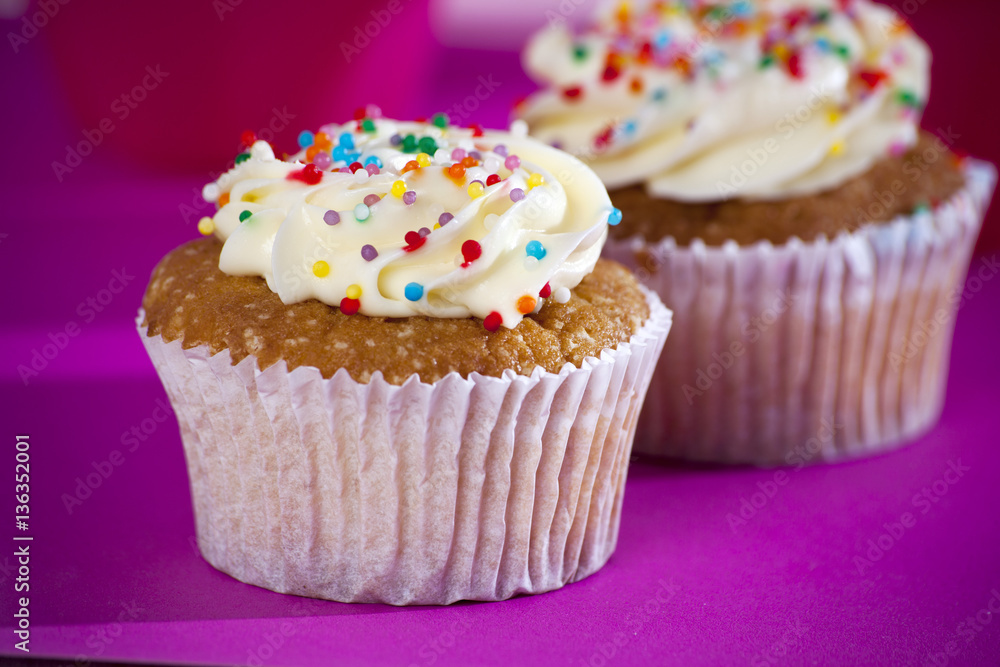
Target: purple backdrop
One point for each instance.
(823, 567)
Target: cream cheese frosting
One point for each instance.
(704, 101)
(395, 219)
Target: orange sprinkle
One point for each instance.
(412, 165)
(322, 141)
(526, 304)
(223, 199)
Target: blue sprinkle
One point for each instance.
(373, 159)
(352, 157)
(823, 44)
(614, 217)
(347, 141)
(741, 8)
(339, 154)
(414, 291)
(306, 139)
(662, 39)
(629, 127)
(535, 249)
(659, 94)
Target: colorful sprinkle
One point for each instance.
(361, 212)
(476, 189)
(471, 251)
(512, 162)
(331, 218)
(535, 249)
(310, 175)
(501, 150)
(398, 189)
(414, 291)
(206, 226)
(349, 306)
(368, 252)
(409, 197)
(371, 200)
(248, 138)
(347, 141)
(516, 195)
(440, 120)
(367, 125)
(492, 179)
(245, 215)
(615, 217)
(526, 304)
(545, 291)
(306, 139)
(321, 269)
(457, 171)
(242, 157)
(535, 180)
(493, 321)
(413, 241)
(424, 160)
(323, 160)
(445, 218)
(458, 154)
(354, 292)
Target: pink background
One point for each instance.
(784, 589)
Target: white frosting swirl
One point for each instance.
(309, 241)
(707, 101)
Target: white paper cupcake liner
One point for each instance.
(464, 489)
(844, 359)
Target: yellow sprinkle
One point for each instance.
(833, 117)
(437, 225)
(424, 160)
(781, 50)
(398, 189)
(206, 226)
(354, 292)
(321, 269)
(838, 147)
(535, 180)
(476, 189)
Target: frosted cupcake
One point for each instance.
(401, 371)
(779, 195)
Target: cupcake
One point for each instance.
(401, 370)
(780, 197)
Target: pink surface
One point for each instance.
(786, 587)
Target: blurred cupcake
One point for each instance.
(401, 371)
(780, 197)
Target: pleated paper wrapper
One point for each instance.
(464, 489)
(807, 352)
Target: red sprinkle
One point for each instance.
(545, 291)
(349, 306)
(492, 179)
(572, 93)
(356, 166)
(359, 113)
(248, 138)
(493, 321)
(310, 175)
(610, 73)
(872, 78)
(413, 241)
(795, 65)
(471, 251)
(477, 130)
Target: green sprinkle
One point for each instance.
(907, 98)
(409, 144)
(842, 51)
(427, 145)
(921, 208)
(766, 61)
(440, 120)
(245, 215)
(368, 125)
(579, 52)
(242, 157)
(823, 16)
